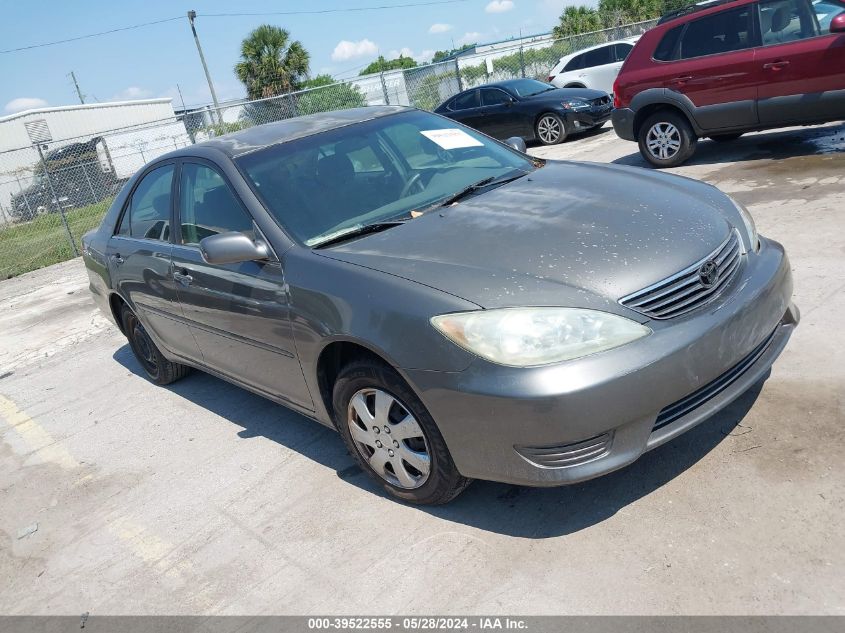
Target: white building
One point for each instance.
(132, 133)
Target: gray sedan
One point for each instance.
(454, 308)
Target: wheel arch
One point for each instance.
(652, 108)
(116, 303)
(575, 84)
(338, 353)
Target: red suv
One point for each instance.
(726, 67)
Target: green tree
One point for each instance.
(382, 64)
(323, 97)
(319, 81)
(271, 64)
(439, 56)
(575, 20)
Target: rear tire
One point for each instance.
(725, 138)
(666, 139)
(396, 441)
(157, 368)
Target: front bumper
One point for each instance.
(588, 118)
(565, 423)
(623, 123)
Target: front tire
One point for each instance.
(666, 139)
(550, 129)
(158, 369)
(392, 436)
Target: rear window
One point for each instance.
(622, 51)
(576, 63)
(465, 101)
(599, 56)
(668, 46)
(721, 32)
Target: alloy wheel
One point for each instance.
(389, 438)
(549, 129)
(663, 140)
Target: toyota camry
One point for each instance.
(455, 308)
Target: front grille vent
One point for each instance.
(686, 290)
(567, 454)
(601, 101)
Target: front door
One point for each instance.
(802, 63)
(238, 313)
(717, 71)
(139, 262)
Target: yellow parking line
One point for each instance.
(34, 437)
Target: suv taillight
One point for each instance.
(617, 100)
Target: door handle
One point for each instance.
(776, 65)
(117, 258)
(183, 278)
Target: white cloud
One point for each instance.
(499, 6)
(439, 27)
(404, 52)
(348, 50)
(422, 56)
(24, 103)
(131, 93)
(470, 37)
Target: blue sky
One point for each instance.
(151, 61)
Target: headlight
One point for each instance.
(522, 337)
(575, 104)
(748, 221)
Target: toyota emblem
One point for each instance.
(708, 274)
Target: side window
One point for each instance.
(148, 213)
(576, 63)
(493, 96)
(598, 57)
(721, 32)
(667, 49)
(207, 206)
(825, 11)
(622, 51)
(784, 21)
(465, 101)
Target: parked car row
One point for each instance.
(716, 69)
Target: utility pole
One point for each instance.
(191, 17)
(76, 85)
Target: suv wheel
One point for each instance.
(392, 436)
(666, 139)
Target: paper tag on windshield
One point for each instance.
(452, 138)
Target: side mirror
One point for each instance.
(518, 143)
(232, 248)
(837, 24)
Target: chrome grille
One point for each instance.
(685, 291)
(567, 454)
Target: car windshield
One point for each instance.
(528, 87)
(383, 169)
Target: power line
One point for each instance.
(83, 37)
(222, 15)
(343, 10)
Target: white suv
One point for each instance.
(595, 67)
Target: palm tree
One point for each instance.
(270, 63)
(575, 20)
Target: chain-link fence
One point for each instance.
(58, 181)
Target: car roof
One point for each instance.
(627, 40)
(262, 136)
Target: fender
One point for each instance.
(664, 96)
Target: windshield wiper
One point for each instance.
(463, 193)
(356, 231)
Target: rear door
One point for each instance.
(238, 313)
(802, 63)
(139, 261)
(466, 108)
(713, 65)
(499, 120)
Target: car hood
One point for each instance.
(572, 234)
(567, 93)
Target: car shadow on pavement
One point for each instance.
(806, 142)
(504, 509)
